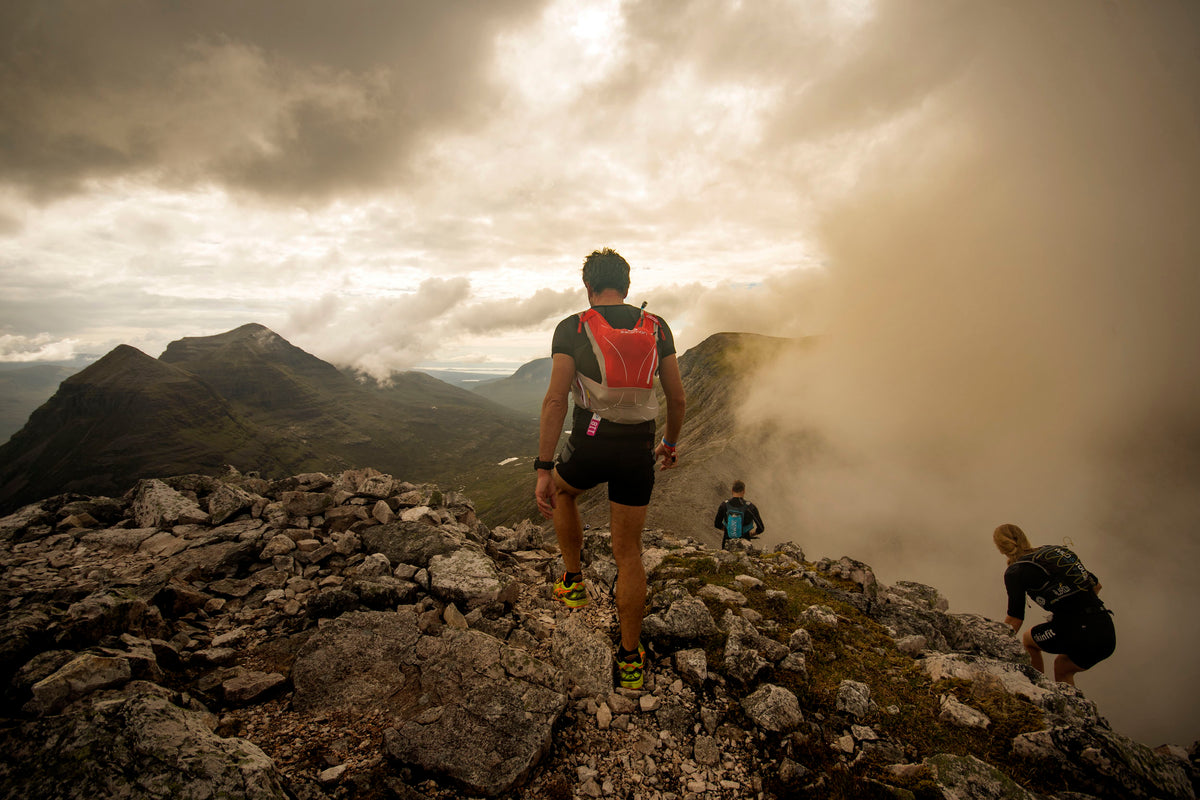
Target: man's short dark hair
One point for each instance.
(606, 269)
(738, 486)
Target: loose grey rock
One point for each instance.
(854, 698)
(692, 665)
(773, 708)
(687, 621)
(953, 712)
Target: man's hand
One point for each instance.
(667, 454)
(545, 493)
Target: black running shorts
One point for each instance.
(624, 461)
(1086, 639)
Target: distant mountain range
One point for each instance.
(250, 399)
(522, 391)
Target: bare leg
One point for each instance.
(1035, 652)
(1065, 669)
(626, 526)
(568, 526)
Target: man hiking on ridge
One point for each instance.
(738, 518)
(1080, 629)
(606, 357)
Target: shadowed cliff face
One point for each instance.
(1011, 326)
(125, 414)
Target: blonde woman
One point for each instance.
(1080, 630)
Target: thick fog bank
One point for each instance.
(1010, 329)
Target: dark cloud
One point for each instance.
(285, 99)
(1012, 327)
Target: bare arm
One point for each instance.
(1014, 623)
(672, 384)
(554, 412)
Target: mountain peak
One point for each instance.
(251, 337)
(124, 365)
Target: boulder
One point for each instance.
(157, 505)
(229, 500)
(1018, 679)
(118, 540)
(486, 715)
(107, 613)
(470, 579)
(986, 637)
(773, 708)
(139, 746)
(686, 621)
(953, 712)
(854, 698)
(692, 666)
(357, 661)
(305, 504)
(81, 676)
(1097, 759)
(462, 704)
(962, 777)
(377, 487)
(584, 655)
(410, 542)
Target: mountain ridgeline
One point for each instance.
(523, 390)
(250, 399)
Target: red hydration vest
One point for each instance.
(628, 359)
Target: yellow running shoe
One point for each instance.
(572, 595)
(630, 670)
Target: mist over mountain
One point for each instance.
(523, 390)
(250, 399)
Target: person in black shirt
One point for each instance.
(606, 358)
(1080, 630)
(751, 522)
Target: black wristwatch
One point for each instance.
(539, 464)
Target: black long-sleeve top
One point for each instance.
(750, 511)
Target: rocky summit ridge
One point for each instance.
(359, 636)
(249, 398)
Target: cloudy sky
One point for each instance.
(388, 184)
(988, 211)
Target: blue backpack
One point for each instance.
(733, 523)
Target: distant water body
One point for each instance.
(468, 375)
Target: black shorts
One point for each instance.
(624, 461)
(1086, 639)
